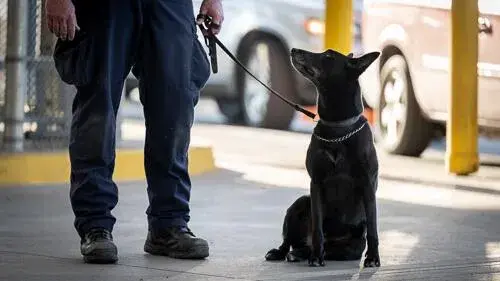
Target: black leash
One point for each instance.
(211, 40)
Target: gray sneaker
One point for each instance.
(179, 243)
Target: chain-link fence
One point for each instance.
(48, 100)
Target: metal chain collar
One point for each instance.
(342, 138)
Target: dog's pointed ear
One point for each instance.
(359, 65)
(350, 55)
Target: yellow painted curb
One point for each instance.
(54, 167)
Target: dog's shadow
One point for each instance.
(333, 270)
(345, 270)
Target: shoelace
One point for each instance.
(187, 231)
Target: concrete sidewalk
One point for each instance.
(430, 169)
(241, 218)
(288, 149)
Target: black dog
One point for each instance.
(339, 218)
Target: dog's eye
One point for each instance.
(329, 53)
(328, 57)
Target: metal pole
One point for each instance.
(16, 76)
(462, 130)
(338, 25)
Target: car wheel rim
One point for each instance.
(256, 97)
(393, 108)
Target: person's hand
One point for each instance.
(61, 18)
(213, 9)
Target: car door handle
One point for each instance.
(484, 25)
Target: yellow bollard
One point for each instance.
(338, 25)
(462, 131)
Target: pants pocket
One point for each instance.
(75, 60)
(200, 66)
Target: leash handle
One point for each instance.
(212, 38)
(212, 51)
(212, 48)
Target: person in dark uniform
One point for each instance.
(99, 43)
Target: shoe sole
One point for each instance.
(200, 252)
(104, 255)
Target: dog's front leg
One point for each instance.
(372, 254)
(317, 251)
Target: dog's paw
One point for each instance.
(290, 257)
(275, 255)
(372, 260)
(316, 261)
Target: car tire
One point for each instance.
(130, 84)
(231, 109)
(401, 127)
(276, 113)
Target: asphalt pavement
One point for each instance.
(426, 233)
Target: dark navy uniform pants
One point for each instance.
(157, 40)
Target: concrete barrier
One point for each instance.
(54, 167)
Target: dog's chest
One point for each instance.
(335, 168)
(324, 161)
(340, 191)
(342, 198)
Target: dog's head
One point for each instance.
(336, 79)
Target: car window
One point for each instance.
(443, 4)
(489, 7)
(485, 6)
(358, 5)
(302, 3)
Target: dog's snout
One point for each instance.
(297, 55)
